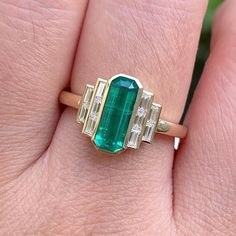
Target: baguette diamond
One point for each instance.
(94, 108)
(140, 120)
(151, 123)
(85, 104)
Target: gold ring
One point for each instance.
(118, 114)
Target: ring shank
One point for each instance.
(163, 127)
(70, 99)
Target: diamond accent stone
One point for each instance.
(98, 99)
(94, 108)
(90, 126)
(146, 98)
(136, 128)
(85, 104)
(141, 112)
(133, 140)
(100, 89)
(140, 120)
(93, 116)
(151, 123)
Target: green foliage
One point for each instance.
(212, 6)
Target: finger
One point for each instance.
(205, 167)
(37, 44)
(155, 42)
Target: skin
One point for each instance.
(52, 180)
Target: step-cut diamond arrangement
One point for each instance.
(94, 108)
(151, 123)
(139, 123)
(118, 114)
(86, 100)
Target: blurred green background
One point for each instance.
(203, 50)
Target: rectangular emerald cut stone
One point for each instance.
(116, 114)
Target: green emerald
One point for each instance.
(116, 114)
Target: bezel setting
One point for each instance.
(143, 120)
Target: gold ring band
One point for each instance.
(118, 114)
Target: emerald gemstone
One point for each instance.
(116, 114)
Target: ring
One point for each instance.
(118, 114)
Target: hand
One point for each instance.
(53, 181)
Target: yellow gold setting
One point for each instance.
(144, 121)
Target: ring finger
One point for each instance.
(155, 41)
